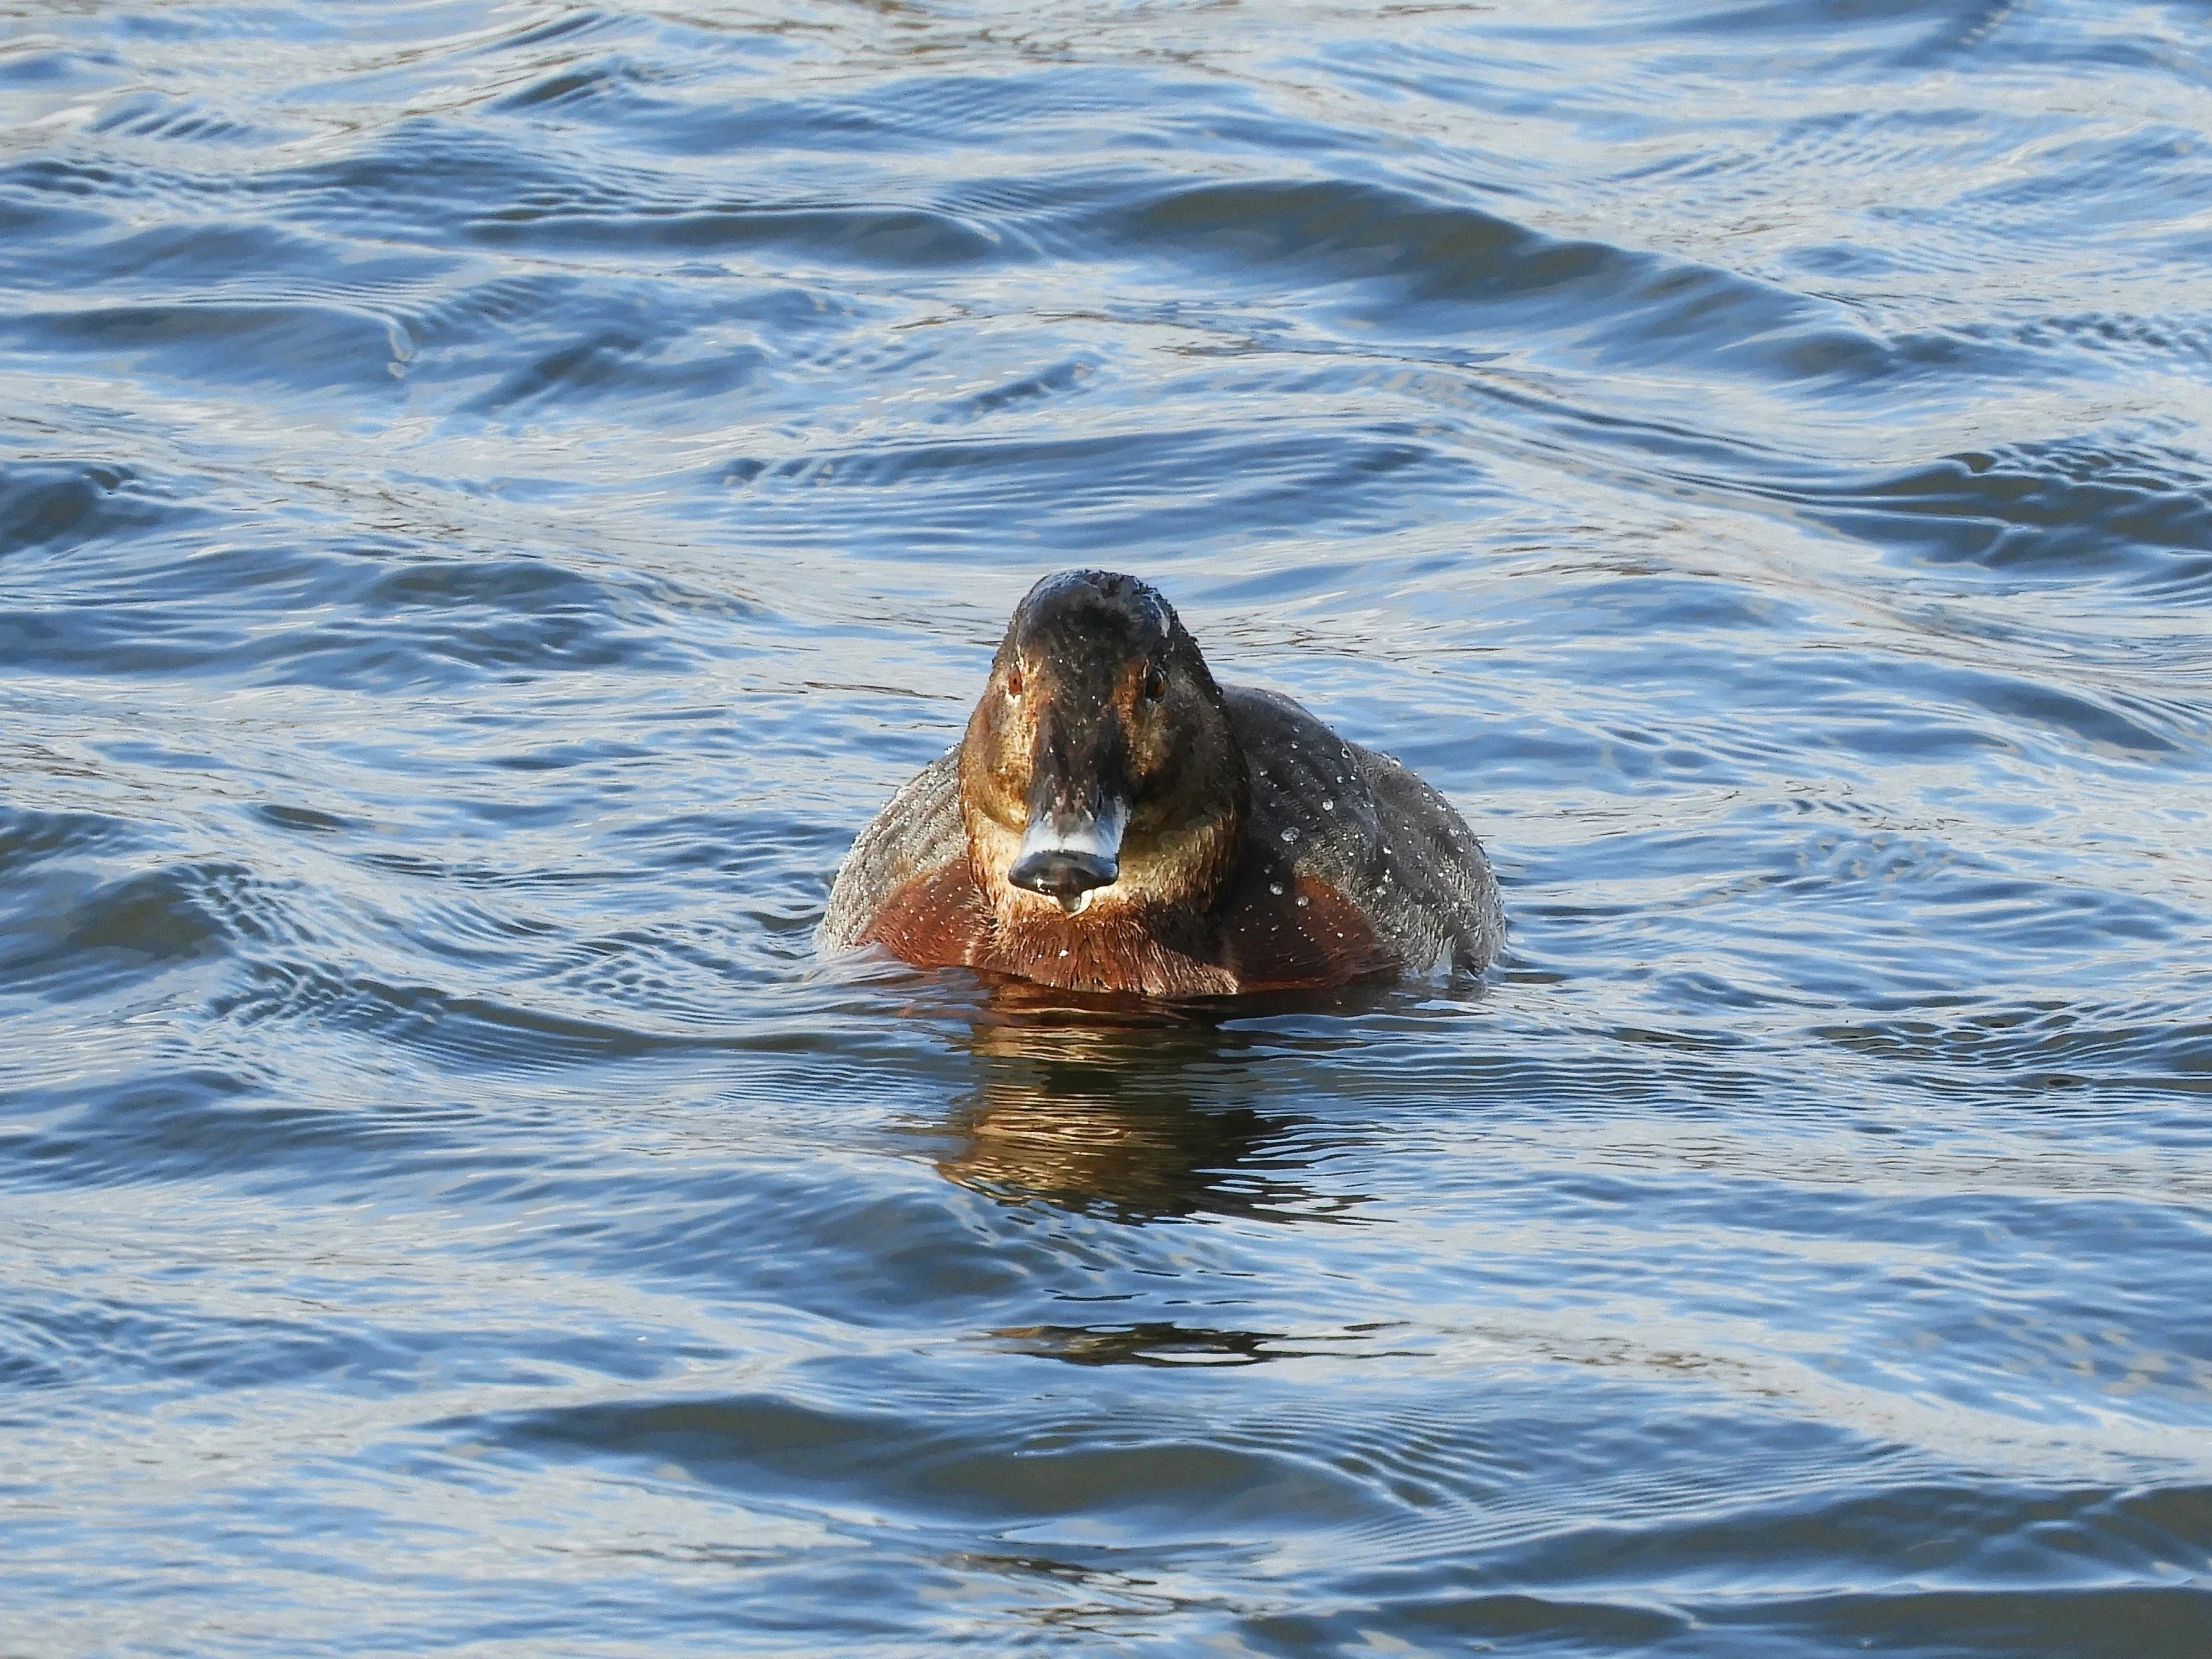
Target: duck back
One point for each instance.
(1333, 821)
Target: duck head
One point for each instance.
(1099, 772)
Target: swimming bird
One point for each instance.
(1114, 821)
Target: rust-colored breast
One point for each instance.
(1128, 950)
(936, 921)
(1305, 936)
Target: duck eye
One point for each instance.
(1013, 681)
(1155, 684)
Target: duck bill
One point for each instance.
(1068, 854)
(1078, 803)
(1078, 806)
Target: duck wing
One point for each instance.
(917, 837)
(1365, 830)
(1441, 899)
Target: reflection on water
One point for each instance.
(1154, 1343)
(1139, 1116)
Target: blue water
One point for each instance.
(492, 498)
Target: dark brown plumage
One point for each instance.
(1114, 821)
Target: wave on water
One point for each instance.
(493, 497)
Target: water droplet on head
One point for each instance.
(1302, 901)
(1327, 804)
(1290, 835)
(1276, 887)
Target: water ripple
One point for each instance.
(495, 496)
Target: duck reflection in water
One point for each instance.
(1137, 1112)
(1119, 1107)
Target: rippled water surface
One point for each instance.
(492, 498)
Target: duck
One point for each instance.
(1114, 821)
